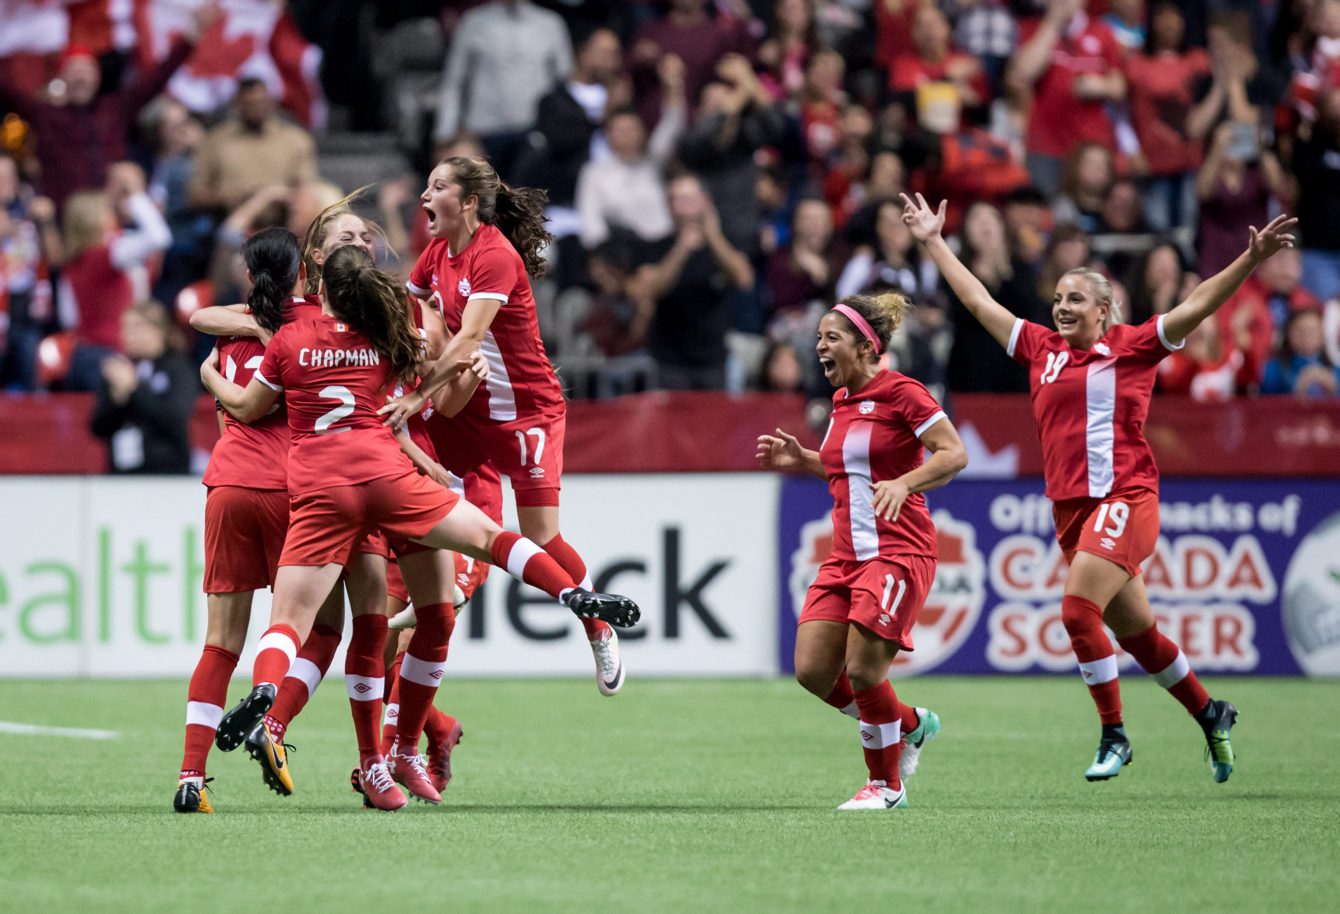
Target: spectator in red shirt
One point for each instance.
(1072, 67)
(1271, 295)
(893, 29)
(933, 60)
(1160, 81)
(792, 38)
(821, 102)
(1213, 365)
(79, 134)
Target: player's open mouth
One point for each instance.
(1066, 323)
(827, 365)
(432, 216)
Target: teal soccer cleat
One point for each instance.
(1113, 754)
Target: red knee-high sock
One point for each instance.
(881, 732)
(306, 673)
(365, 676)
(274, 654)
(1164, 660)
(421, 672)
(572, 563)
(522, 559)
(205, 697)
(392, 717)
(842, 697)
(1083, 620)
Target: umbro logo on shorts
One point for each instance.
(537, 472)
(1107, 543)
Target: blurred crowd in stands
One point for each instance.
(719, 173)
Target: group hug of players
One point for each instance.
(401, 413)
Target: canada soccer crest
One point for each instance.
(463, 287)
(951, 610)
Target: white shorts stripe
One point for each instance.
(306, 672)
(881, 736)
(364, 688)
(1099, 429)
(391, 717)
(1097, 672)
(925, 426)
(1175, 672)
(423, 672)
(1014, 336)
(860, 497)
(523, 550)
(204, 715)
(280, 641)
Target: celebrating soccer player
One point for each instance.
(487, 239)
(861, 609)
(1090, 380)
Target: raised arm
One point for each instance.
(926, 226)
(1210, 295)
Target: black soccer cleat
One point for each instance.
(243, 717)
(190, 797)
(272, 756)
(621, 612)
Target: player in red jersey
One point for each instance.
(346, 475)
(486, 243)
(861, 609)
(1090, 382)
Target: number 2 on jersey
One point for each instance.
(1055, 362)
(1118, 515)
(346, 408)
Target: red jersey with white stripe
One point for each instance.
(874, 436)
(1090, 406)
(253, 456)
(521, 380)
(334, 382)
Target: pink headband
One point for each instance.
(861, 323)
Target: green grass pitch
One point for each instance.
(696, 796)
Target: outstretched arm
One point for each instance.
(228, 320)
(783, 452)
(1211, 294)
(926, 226)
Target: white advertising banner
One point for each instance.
(101, 577)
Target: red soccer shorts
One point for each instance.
(1120, 528)
(528, 451)
(882, 595)
(244, 536)
(325, 524)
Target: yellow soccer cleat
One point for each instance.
(272, 756)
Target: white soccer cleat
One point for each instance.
(404, 619)
(926, 730)
(609, 667)
(875, 795)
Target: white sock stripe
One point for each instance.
(392, 715)
(424, 672)
(364, 688)
(306, 672)
(1097, 672)
(852, 711)
(881, 736)
(203, 714)
(587, 583)
(280, 641)
(523, 550)
(1175, 672)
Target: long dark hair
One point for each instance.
(273, 258)
(368, 299)
(518, 212)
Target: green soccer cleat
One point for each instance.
(1218, 748)
(914, 741)
(1112, 756)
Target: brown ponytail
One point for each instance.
(374, 303)
(517, 212)
(884, 313)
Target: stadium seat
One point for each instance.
(54, 354)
